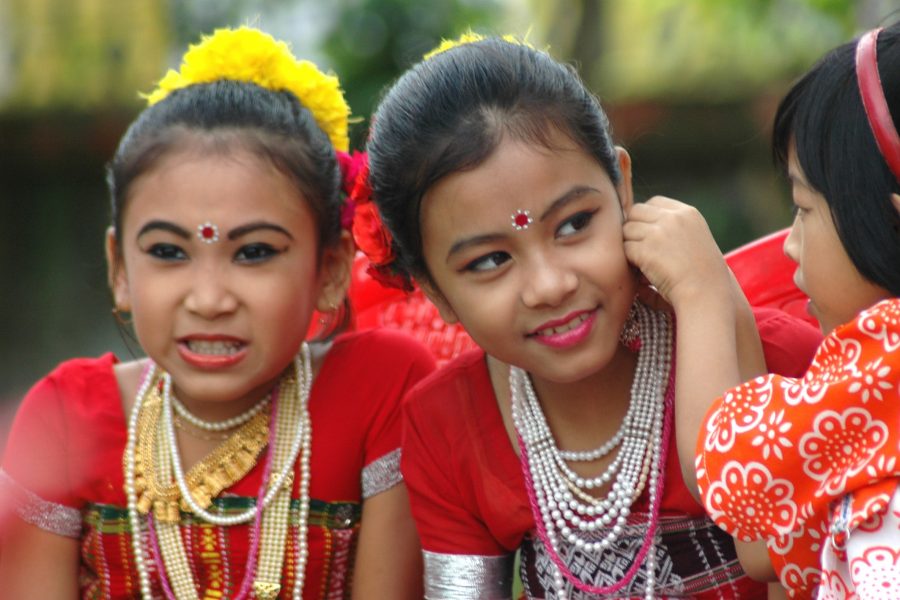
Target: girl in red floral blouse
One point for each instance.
(810, 464)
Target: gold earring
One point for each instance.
(123, 317)
(329, 314)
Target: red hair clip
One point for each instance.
(877, 111)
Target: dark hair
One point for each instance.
(223, 116)
(824, 118)
(450, 112)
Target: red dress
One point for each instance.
(469, 500)
(63, 463)
(811, 463)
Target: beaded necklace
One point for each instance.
(289, 436)
(564, 511)
(218, 426)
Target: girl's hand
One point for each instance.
(717, 341)
(648, 295)
(671, 244)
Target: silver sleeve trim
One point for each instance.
(31, 508)
(468, 576)
(381, 474)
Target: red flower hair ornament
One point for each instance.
(351, 165)
(370, 234)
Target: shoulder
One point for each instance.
(882, 320)
(78, 377)
(85, 366)
(874, 333)
(74, 400)
(448, 392)
(381, 348)
(789, 343)
(383, 363)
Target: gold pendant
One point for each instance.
(266, 590)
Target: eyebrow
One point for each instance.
(256, 226)
(573, 194)
(164, 226)
(232, 235)
(473, 241)
(555, 206)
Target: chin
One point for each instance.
(572, 370)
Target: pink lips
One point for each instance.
(211, 352)
(566, 332)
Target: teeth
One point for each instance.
(214, 348)
(567, 327)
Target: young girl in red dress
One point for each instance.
(494, 169)
(236, 460)
(811, 464)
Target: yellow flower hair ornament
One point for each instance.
(250, 55)
(468, 38)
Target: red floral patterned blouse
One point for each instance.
(810, 464)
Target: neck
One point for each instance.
(213, 408)
(582, 413)
(585, 396)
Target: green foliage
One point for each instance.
(375, 40)
(710, 50)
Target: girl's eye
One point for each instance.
(167, 252)
(575, 223)
(488, 262)
(254, 253)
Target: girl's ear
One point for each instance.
(115, 273)
(337, 267)
(895, 200)
(626, 193)
(446, 311)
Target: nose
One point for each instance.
(791, 246)
(547, 282)
(209, 295)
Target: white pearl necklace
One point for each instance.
(292, 436)
(569, 514)
(225, 425)
(250, 513)
(599, 452)
(137, 531)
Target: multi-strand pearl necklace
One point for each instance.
(564, 511)
(290, 436)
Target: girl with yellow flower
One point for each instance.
(237, 460)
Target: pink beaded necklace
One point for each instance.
(654, 515)
(253, 552)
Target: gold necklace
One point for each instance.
(227, 464)
(151, 441)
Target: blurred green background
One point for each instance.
(690, 86)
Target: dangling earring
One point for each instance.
(325, 317)
(631, 331)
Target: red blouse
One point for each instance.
(64, 463)
(465, 480)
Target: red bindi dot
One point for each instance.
(521, 219)
(208, 232)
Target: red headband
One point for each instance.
(873, 100)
